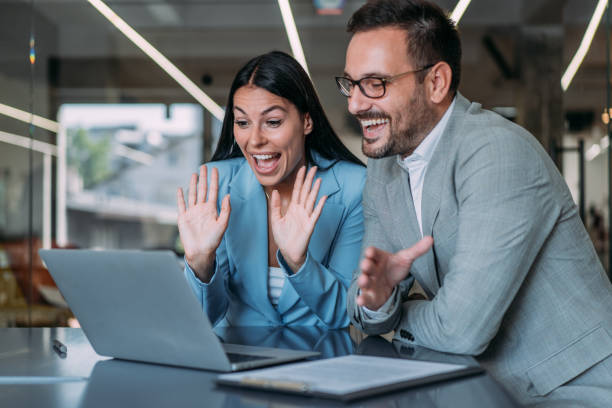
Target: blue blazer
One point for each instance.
(237, 294)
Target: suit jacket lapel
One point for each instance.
(436, 169)
(398, 193)
(405, 224)
(435, 180)
(247, 238)
(430, 206)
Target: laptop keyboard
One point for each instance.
(241, 358)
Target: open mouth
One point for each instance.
(373, 127)
(266, 162)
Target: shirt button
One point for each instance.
(406, 335)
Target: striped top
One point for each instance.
(276, 280)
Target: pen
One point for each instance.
(59, 347)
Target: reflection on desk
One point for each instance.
(378, 346)
(118, 383)
(470, 392)
(330, 343)
(123, 383)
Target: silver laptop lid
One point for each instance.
(136, 305)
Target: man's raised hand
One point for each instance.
(381, 271)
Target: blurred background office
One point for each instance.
(107, 106)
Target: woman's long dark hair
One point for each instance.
(280, 74)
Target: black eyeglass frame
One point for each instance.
(384, 82)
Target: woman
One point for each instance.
(286, 254)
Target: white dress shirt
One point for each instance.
(416, 164)
(276, 281)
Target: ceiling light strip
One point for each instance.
(133, 154)
(159, 59)
(292, 33)
(585, 44)
(28, 118)
(460, 8)
(27, 143)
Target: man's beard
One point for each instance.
(405, 141)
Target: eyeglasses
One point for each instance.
(372, 87)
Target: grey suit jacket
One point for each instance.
(512, 277)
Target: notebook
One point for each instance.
(348, 377)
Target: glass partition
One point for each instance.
(124, 163)
(99, 126)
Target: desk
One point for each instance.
(111, 383)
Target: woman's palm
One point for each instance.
(292, 231)
(201, 227)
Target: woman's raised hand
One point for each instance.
(201, 228)
(292, 231)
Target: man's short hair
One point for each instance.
(431, 34)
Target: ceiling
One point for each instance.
(84, 58)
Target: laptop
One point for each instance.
(137, 305)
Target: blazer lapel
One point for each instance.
(398, 193)
(405, 224)
(247, 238)
(436, 169)
(430, 206)
(435, 180)
(327, 225)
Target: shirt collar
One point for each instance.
(425, 149)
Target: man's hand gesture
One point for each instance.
(381, 271)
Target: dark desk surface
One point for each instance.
(81, 378)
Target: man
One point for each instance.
(472, 207)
